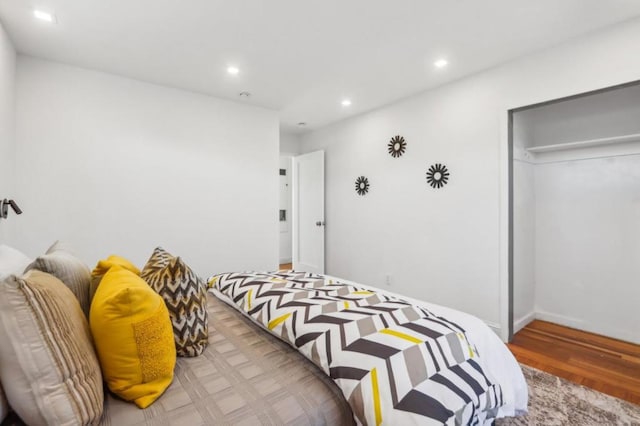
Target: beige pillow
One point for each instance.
(62, 264)
(47, 354)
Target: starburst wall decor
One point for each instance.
(437, 175)
(362, 185)
(397, 146)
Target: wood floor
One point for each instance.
(286, 266)
(601, 363)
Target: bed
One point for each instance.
(270, 360)
(396, 360)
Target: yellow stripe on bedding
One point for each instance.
(274, 323)
(400, 335)
(346, 305)
(249, 298)
(465, 341)
(213, 281)
(363, 292)
(376, 396)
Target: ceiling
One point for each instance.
(302, 57)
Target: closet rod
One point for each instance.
(584, 144)
(601, 157)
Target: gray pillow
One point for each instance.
(62, 264)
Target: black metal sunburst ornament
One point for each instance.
(438, 175)
(397, 146)
(362, 185)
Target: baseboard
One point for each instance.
(560, 319)
(590, 327)
(522, 322)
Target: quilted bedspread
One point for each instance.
(395, 362)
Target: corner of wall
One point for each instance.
(7, 123)
(290, 144)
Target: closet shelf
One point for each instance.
(585, 144)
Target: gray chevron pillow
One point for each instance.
(185, 295)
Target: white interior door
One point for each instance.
(308, 212)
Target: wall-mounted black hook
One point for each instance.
(4, 208)
(15, 207)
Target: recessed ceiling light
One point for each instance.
(244, 94)
(233, 70)
(346, 102)
(44, 16)
(441, 63)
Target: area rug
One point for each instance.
(554, 401)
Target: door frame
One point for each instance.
(507, 320)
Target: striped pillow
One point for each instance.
(47, 353)
(62, 264)
(185, 295)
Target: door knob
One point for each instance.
(319, 223)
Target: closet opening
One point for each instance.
(574, 214)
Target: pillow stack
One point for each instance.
(137, 325)
(132, 333)
(185, 295)
(50, 369)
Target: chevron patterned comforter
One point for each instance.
(396, 363)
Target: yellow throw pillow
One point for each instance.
(103, 266)
(133, 337)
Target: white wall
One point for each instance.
(289, 144)
(7, 124)
(524, 239)
(113, 165)
(286, 242)
(588, 244)
(449, 246)
(524, 218)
